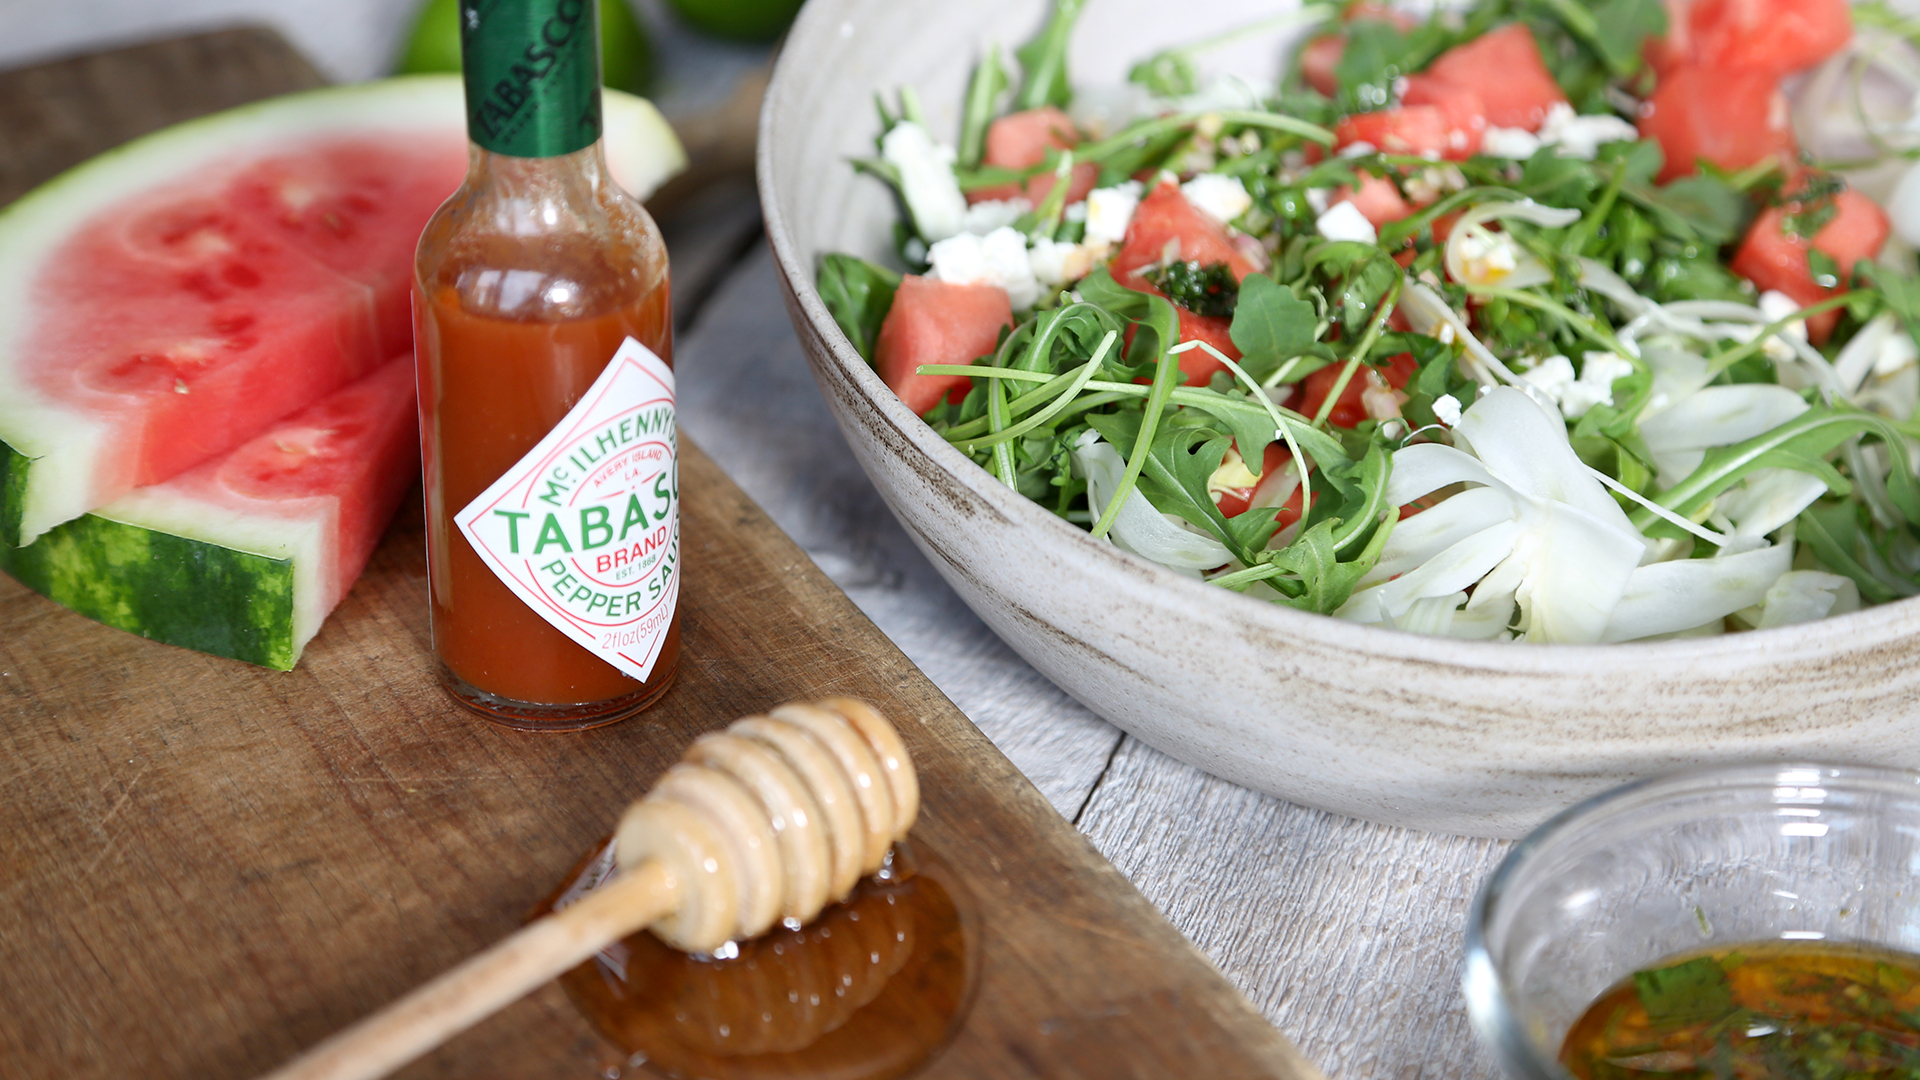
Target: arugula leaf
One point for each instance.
(1811, 205)
(1622, 28)
(857, 294)
(1362, 273)
(1166, 74)
(1826, 272)
(1370, 61)
(1800, 444)
(1158, 323)
(1365, 501)
(1557, 180)
(1693, 992)
(1377, 52)
(1832, 531)
(1250, 425)
(1318, 580)
(1043, 61)
(1272, 326)
(1900, 291)
(1178, 467)
(1716, 210)
(983, 93)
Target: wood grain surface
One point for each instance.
(208, 866)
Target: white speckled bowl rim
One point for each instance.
(1428, 732)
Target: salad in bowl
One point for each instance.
(1284, 514)
(1525, 320)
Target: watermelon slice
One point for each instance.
(937, 322)
(244, 555)
(167, 301)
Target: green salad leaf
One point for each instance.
(857, 294)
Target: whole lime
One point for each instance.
(742, 20)
(626, 57)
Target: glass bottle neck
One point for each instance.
(532, 72)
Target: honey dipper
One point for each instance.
(768, 821)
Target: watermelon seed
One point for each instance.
(180, 386)
(201, 284)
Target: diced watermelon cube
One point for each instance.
(1777, 37)
(1319, 58)
(1376, 199)
(1773, 258)
(937, 322)
(1464, 113)
(1732, 119)
(1020, 141)
(1505, 69)
(1197, 366)
(1321, 55)
(1675, 49)
(1164, 224)
(1167, 225)
(1410, 129)
(1350, 409)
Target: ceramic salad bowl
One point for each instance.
(1427, 732)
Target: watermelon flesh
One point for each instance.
(937, 322)
(244, 556)
(171, 299)
(225, 313)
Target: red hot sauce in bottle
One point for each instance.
(543, 336)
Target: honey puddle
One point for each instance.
(870, 990)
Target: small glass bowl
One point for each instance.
(1678, 864)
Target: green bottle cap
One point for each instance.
(532, 70)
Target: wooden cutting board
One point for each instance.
(206, 867)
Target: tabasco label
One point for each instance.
(586, 527)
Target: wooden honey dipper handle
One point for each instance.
(770, 820)
(489, 982)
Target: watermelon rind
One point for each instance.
(13, 491)
(49, 450)
(161, 585)
(247, 554)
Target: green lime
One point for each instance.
(742, 20)
(626, 59)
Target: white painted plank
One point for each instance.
(1347, 935)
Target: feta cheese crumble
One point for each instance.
(1344, 221)
(927, 184)
(984, 217)
(998, 258)
(1110, 211)
(1574, 135)
(1056, 262)
(1223, 197)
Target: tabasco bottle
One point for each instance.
(544, 341)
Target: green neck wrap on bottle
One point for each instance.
(532, 71)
